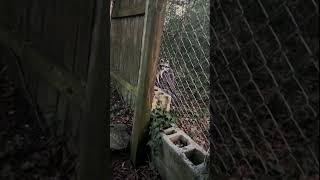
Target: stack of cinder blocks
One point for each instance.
(182, 161)
(180, 158)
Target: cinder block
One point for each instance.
(180, 158)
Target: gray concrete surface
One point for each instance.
(180, 162)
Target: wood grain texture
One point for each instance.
(45, 68)
(150, 50)
(51, 40)
(126, 40)
(133, 10)
(94, 129)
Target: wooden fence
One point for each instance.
(135, 45)
(57, 52)
(126, 39)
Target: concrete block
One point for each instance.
(180, 158)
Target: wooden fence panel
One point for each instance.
(126, 39)
(150, 50)
(135, 40)
(52, 43)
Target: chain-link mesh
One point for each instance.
(265, 82)
(183, 70)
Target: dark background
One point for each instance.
(264, 89)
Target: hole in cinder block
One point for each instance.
(180, 141)
(195, 156)
(167, 126)
(169, 132)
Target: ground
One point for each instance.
(28, 151)
(122, 168)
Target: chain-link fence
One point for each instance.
(265, 82)
(183, 70)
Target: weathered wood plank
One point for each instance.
(61, 113)
(72, 42)
(47, 69)
(54, 52)
(45, 94)
(149, 55)
(126, 40)
(130, 11)
(69, 34)
(125, 84)
(94, 129)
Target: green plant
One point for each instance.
(160, 120)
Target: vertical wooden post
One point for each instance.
(94, 132)
(153, 23)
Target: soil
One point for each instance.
(28, 151)
(179, 143)
(122, 167)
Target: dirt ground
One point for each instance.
(122, 167)
(26, 150)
